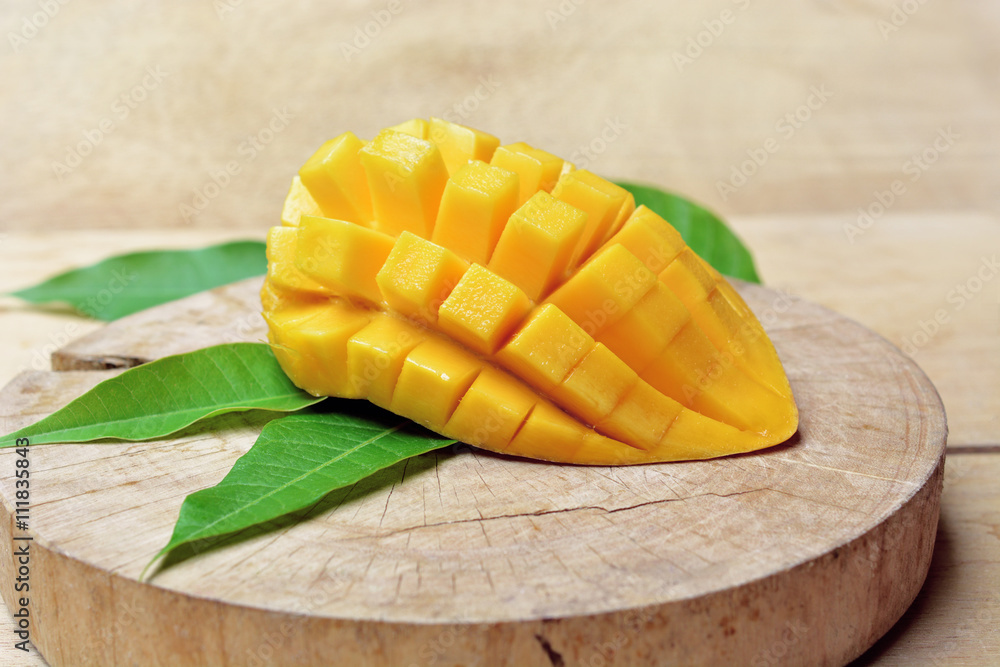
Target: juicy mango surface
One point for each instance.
(501, 297)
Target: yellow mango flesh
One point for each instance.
(418, 276)
(535, 247)
(282, 272)
(459, 143)
(342, 256)
(406, 177)
(298, 202)
(334, 179)
(476, 204)
(536, 169)
(606, 205)
(483, 310)
(452, 288)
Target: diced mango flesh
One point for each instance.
(604, 290)
(492, 410)
(606, 205)
(298, 202)
(406, 177)
(342, 256)
(334, 178)
(418, 276)
(536, 169)
(434, 377)
(459, 143)
(418, 127)
(375, 356)
(546, 348)
(535, 247)
(310, 343)
(434, 274)
(483, 310)
(596, 385)
(281, 268)
(476, 204)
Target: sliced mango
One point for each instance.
(606, 205)
(406, 177)
(475, 206)
(535, 247)
(536, 169)
(501, 297)
(342, 256)
(418, 276)
(483, 310)
(298, 202)
(282, 271)
(459, 143)
(335, 180)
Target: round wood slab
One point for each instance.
(801, 554)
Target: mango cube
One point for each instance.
(475, 206)
(642, 417)
(406, 177)
(375, 356)
(311, 343)
(596, 385)
(535, 247)
(606, 205)
(492, 410)
(459, 143)
(536, 169)
(418, 127)
(603, 290)
(342, 256)
(281, 269)
(298, 202)
(434, 377)
(483, 310)
(418, 276)
(546, 348)
(650, 238)
(644, 331)
(335, 180)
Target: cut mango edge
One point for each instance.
(636, 352)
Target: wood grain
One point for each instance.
(955, 617)
(802, 554)
(608, 70)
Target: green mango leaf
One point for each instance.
(126, 284)
(166, 395)
(294, 463)
(703, 231)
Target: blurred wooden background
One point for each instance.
(680, 92)
(130, 125)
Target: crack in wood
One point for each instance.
(565, 510)
(554, 657)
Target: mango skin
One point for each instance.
(563, 324)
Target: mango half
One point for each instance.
(501, 297)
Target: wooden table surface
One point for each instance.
(854, 146)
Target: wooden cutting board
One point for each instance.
(801, 554)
